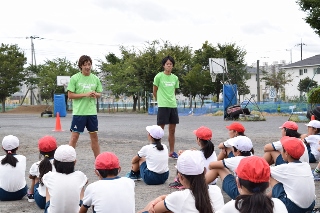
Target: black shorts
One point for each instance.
(167, 115)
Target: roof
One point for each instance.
(308, 62)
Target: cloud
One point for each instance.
(259, 28)
(48, 27)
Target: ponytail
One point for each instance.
(45, 165)
(207, 147)
(254, 202)
(9, 158)
(199, 190)
(158, 144)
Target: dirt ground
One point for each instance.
(124, 134)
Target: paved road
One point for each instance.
(124, 134)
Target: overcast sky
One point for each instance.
(268, 30)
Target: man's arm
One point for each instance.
(155, 89)
(72, 95)
(83, 209)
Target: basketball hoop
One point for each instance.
(65, 86)
(213, 77)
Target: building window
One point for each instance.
(305, 70)
(316, 70)
(300, 71)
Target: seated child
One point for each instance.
(47, 146)
(242, 147)
(253, 176)
(197, 195)
(65, 186)
(293, 183)
(12, 171)
(272, 150)
(312, 140)
(110, 192)
(203, 138)
(234, 129)
(151, 162)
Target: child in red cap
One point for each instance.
(110, 193)
(203, 138)
(253, 176)
(151, 162)
(235, 129)
(293, 183)
(242, 148)
(47, 146)
(272, 150)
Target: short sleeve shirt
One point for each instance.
(80, 83)
(167, 84)
(156, 160)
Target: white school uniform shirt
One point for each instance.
(278, 207)
(304, 158)
(208, 160)
(13, 179)
(156, 160)
(183, 201)
(313, 141)
(232, 163)
(64, 191)
(297, 180)
(111, 195)
(34, 171)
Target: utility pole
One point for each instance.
(301, 44)
(258, 82)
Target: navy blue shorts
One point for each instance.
(40, 201)
(229, 185)
(279, 161)
(152, 178)
(230, 155)
(167, 115)
(312, 159)
(278, 192)
(8, 196)
(79, 122)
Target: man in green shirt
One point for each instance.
(164, 85)
(83, 88)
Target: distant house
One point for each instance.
(309, 67)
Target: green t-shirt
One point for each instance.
(80, 83)
(167, 85)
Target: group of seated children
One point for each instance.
(56, 187)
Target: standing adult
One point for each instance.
(164, 86)
(83, 88)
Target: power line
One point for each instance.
(301, 44)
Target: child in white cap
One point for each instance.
(253, 176)
(203, 139)
(47, 146)
(151, 162)
(197, 197)
(242, 147)
(12, 171)
(272, 151)
(110, 193)
(65, 186)
(293, 182)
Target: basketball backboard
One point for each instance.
(217, 65)
(63, 80)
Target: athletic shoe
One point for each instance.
(173, 155)
(133, 175)
(316, 176)
(176, 185)
(30, 198)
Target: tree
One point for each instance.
(312, 8)
(306, 84)
(243, 89)
(47, 76)
(276, 79)
(12, 74)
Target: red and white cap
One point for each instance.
(293, 146)
(155, 131)
(289, 125)
(47, 143)
(236, 126)
(190, 163)
(10, 142)
(254, 169)
(65, 153)
(107, 160)
(314, 124)
(242, 143)
(203, 133)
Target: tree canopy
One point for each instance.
(12, 75)
(307, 84)
(312, 8)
